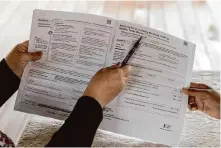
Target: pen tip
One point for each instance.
(140, 39)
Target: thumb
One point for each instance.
(35, 55)
(195, 91)
(127, 70)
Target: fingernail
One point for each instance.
(185, 90)
(39, 53)
(129, 67)
(193, 108)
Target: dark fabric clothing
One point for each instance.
(79, 128)
(9, 82)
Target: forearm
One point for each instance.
(9, 82)
(80, 127)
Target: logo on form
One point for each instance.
(166, 127)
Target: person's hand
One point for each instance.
(19, 57)
(203, 98)
(107, 83)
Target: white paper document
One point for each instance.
(75, 46)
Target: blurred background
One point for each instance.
(196, 21)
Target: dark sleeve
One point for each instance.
(80, 127)
(9, 82)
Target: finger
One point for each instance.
(194, 91)
(25, 44)
(22, 47)
(191, 100)
(125, 79)
(126, 70)
(199, 85)
(35, 55)
(193, 85)
(193, 107)
(204, 86)
(101, 70)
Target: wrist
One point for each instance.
(10, 66)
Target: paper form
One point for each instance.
(152, 106)
(75, 46)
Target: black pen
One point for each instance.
(131, 52)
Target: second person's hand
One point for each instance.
(107, 83)
(203, 98)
